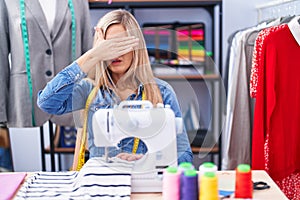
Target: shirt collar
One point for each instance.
(140, 88)
(294, 26)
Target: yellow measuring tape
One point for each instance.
(137, 140)
(135, 145)
(81, 157)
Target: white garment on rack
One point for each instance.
(230, 99)
(294, 26)
(49, 8)
(236, 134)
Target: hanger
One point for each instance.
(248, 43)
(286, 19)
(251, 43)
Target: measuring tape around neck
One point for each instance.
(27, 51)
(81, 156)
(136, 140)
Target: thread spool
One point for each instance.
(209, 186)
(171, 184)
(184, 166)
(243, 182)
(207, 167)
(189, 185)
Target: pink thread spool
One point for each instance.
(171, 184)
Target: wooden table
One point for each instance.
(226, 180)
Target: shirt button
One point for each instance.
(48, 73)
(48, 52)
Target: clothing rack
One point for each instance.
(278, 8)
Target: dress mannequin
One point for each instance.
(50, 49)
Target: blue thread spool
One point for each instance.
(189, 185)
(182, 168)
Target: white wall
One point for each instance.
(26, 142)
(238, 15)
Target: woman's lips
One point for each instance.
(116, 61)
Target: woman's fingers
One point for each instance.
(134, 157)
(122, 44)
(125, 40)
(123, 156)
(129, 157)
(113, 48)
(99, 32)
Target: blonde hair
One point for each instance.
(140, 70)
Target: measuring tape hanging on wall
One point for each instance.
(27, 50)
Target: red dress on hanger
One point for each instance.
(275, 83)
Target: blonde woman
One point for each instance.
(122, 69)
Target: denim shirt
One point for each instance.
(68, 91)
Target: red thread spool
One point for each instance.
(243, 182)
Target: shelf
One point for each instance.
(189, 77)
(62, 150)
(152, 3)
(159, 1)
(210, 150)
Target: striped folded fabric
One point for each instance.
(97, 179)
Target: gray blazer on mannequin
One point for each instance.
(50, 52)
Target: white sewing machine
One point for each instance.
(156, 127)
